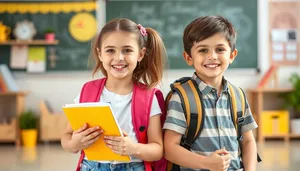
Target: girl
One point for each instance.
(126, 53)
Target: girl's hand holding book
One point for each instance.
(121, 145)
(84, 137)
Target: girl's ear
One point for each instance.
(99, 54)
(233, 55)
(141, 54)
(188, 58)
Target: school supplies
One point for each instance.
(96, 114)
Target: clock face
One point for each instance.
(24, 30)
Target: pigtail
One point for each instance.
(94, 58)
(151, 67)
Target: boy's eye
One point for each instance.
(110, 51)
(203, 50)
(220, 50)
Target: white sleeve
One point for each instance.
(76, 100)
(155, 109)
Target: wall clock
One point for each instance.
(24, 30)
(83, 27)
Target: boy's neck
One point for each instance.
(214, 82)
(119, 86)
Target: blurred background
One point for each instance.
(44, 52)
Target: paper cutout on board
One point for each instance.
(277, 56)
(279, 35)
(284, 35)
(291, 56)
(277, 47)
(36, 59)
(18, 56)
(292, 35)
(291, 47)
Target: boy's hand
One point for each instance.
(84, 137)
(219, 160)
(121, 145)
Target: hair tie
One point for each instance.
(142, 30)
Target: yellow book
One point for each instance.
(96, 114)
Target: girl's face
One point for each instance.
(120, 54)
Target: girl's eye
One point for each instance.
(110, 51)
(127, 50)
(203, 50)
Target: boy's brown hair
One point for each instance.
(206, 26)
(150, 69)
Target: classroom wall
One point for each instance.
(62, 87)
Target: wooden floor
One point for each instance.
(277, 156)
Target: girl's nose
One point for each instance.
(119, 56)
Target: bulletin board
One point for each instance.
(70, 22)
(284, 32)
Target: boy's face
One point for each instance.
(211, 57)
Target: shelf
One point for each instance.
(285, 137)
(14, 93)
(294, 135)
(32, 42)
(276, 136)
(271, 90)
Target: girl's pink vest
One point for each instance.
(141, 106)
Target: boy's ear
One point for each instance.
(142, 54)
(232, 56)
(188, 58)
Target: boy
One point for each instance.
(209, 47)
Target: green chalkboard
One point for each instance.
(71, 54)
(170, 17)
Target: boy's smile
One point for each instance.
(210, 58)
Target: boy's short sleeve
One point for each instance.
(175, 120)
(249, 122)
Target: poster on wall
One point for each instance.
(284, 32)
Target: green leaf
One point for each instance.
(28, 120)
(292, 99)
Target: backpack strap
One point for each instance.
(142, 99)
(191, 102)
(238, 108)
(90, 92)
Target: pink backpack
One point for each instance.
(141, 106)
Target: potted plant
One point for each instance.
(292, 101)
(49, 35)
(28, 124)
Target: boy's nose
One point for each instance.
(212, 56)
